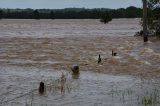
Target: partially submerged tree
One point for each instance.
(145, 35)
(151, 19)
(154, 16)
(106, 17)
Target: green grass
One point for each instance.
(150, 100)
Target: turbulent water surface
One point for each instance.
(32, 51)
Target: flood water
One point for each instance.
(68, 27)
(20, 88)
(32, 51)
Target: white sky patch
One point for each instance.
(57, 4)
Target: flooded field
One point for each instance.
(32, 51)
(20, 88)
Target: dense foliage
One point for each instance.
(105, 18)
(154, 16)
(71, 13)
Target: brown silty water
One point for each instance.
(44, 50)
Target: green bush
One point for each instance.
(106, 18)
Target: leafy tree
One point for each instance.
(154, 3)
(154, 16)
(106, 17)
(36, 14)
(130, 12)
(52, 15)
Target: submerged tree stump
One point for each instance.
(99, 59)
(75, 70)
(114, 53)
(41, 88)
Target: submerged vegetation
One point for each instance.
(151, 99)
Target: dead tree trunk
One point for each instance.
(145, 34)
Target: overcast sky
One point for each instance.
(56, 4)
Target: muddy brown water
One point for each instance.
(32, 51)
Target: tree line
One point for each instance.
(70, 13)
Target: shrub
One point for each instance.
(106, 18)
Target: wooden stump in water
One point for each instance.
(41, 88)
(114, 53)
(99, 59)
(75, 70)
